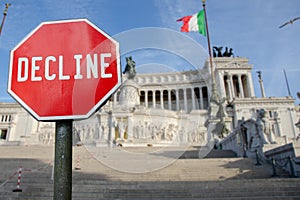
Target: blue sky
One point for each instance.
(250, 27)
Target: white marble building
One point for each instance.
(162, 108)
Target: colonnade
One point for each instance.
(185, 99)
(237, 85)
(5, 118)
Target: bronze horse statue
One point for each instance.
(130, 68)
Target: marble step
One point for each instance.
(188, 178)
(234, 189)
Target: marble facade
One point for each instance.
(163, 108)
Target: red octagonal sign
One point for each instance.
(64, 70)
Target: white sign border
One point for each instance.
(67, 117)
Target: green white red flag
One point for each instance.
(194, 22)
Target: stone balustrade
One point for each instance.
(287, 157)
(233, 142)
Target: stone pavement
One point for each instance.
(209, 178)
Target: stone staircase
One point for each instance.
(215, 153)
(207, 179)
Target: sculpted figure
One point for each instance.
(253, 137)
(230, 53)
(219, 51)
(255, 131)
(260, 123)
(226, 53)
(122, 128)
(221, 112)
(264, 127)
(130, 68)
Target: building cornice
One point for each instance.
(170, 78)
(9, 105)
(264, 101)
(226, 63)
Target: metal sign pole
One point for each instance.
(63, 160)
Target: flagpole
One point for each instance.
(4, 16)
(214, 94)
(287, 83)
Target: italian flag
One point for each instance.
(194, 22)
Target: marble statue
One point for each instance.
(255, 131)
(122, 128)
(221, 112)
(264, 127)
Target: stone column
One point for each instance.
(201, 98)
(241, 86)
(262, 89)
(250, 84)
(193, 98)
(185, 100)
(161, 99)
(146, 98)
(153, 99)
(177, 99)
(229, 88)
(221, 85)
(169, 100)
